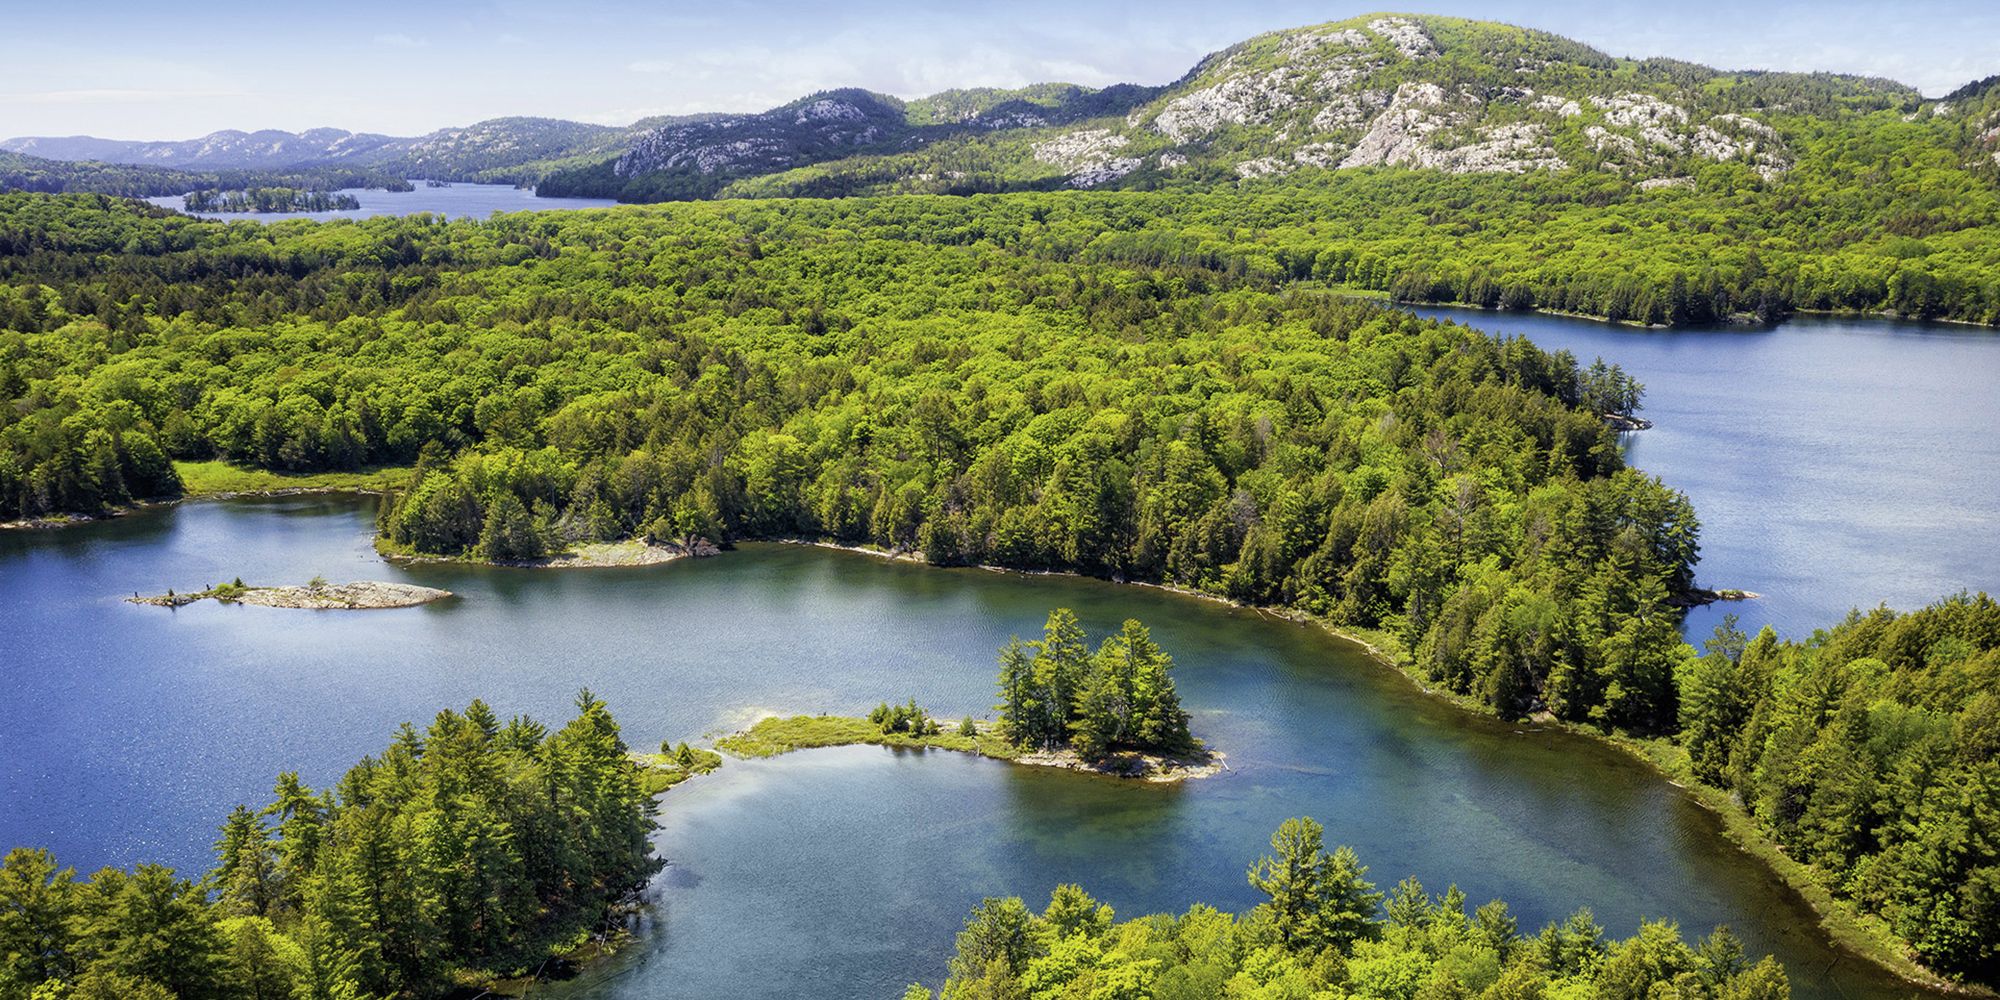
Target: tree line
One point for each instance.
(467, 851)
(267, 199)
(1324, 931)
(1871, 752)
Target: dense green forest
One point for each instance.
(1134, 386)
(1871, 752)
(470, 849)
(1055, 693)
(1326, 932)
(1887, 226)
(955, 377)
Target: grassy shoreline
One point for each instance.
(777, 735)
(659, 772)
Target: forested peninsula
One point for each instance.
(465, 853)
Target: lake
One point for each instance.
(459, 201)
(1834, 463)
(129, 732)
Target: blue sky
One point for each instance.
(152, 70)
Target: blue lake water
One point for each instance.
(1834, 463)
(128, 732)
(459, 201)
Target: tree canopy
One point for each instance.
(1323, 933)
(474, 848)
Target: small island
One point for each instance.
(317, 595)
(1115, 713)
(1699, 597)
(673, 765)
(269, 200)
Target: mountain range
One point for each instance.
(1381, 90)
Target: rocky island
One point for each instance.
(317, 595)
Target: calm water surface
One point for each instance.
(459, 201)
(1835, 463)
(128, 732)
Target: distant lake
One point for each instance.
(1834, 463)
(459, 201)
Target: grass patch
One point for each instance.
(217, 477)
(774, 736)
(661, 771)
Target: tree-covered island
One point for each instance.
(269, 200)
(1112, 712)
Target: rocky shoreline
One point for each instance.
(1132, 766)
(590, 555)
(1702, 597)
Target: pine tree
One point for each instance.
(1294, 877)
(246, 876)
(1061, 664)
(1019, 708)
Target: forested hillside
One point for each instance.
(31, 173)
(1436, 94)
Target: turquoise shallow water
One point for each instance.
(128, 732)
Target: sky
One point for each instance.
(143, 69)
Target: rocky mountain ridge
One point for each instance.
(461, 153)
(1379, 90)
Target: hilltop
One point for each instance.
(1380, 90)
